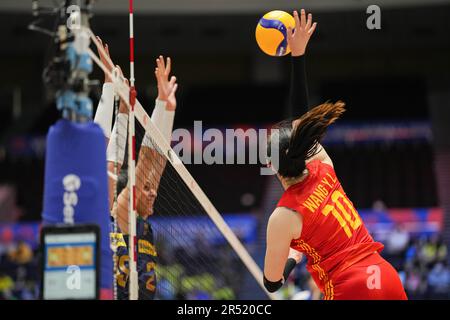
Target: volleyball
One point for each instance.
(271, 33)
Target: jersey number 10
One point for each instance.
(347, 217)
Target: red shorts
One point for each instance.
(372, 278)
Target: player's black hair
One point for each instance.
(122, 180)
(298, 144)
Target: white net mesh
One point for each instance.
(184, 248)
(181, 252)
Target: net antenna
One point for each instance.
(133, 280)
(143, 118)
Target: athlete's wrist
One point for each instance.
(291, 263)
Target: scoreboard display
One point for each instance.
(70, 257)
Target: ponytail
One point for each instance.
(301, 142)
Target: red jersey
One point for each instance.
(333, 236)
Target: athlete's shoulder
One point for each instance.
(292, 199)
(318, 167)
(318, 171)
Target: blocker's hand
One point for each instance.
(166, 88)
(298, 39)
(104, 59)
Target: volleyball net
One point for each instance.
(184, 248)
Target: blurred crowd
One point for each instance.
(201, 271)
(18, 272)
(422, 263)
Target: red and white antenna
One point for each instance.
(132, 242)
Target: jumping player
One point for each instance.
(314, 216)
(149, 169)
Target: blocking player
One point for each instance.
(149, 169)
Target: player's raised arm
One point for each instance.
(104, 113)
(298, 41)
(115, 139)
(163, 115)
(151, 164)
(115, 153)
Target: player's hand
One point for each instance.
(304, 28)
(166, 88)
(296, 255)
(104, 58)
(123, 108)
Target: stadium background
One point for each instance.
(391, 150)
